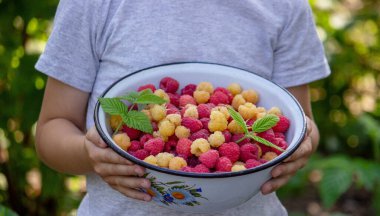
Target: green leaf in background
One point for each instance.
(113, 106)
(265, 123)
(265, 142)
(333, 184)
(4, 211)
(237, 117)
(137, 120)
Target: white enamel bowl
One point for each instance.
(210, 192)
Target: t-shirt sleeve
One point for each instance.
(299, 55)
(70, 55)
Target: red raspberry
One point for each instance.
(200, 168)
(202, 133)
(154, 126)
(172, 109)
(188, 89)
(205, 122)
(140, 154)
(252, 163)
(209, 158)
(282, 125)
(144, 138)
(226, 92)
(135, 145)
(249, 151)
(230, 150)
(171, 144)
(227, 136)
(147, 86)
(280, 143)
(223, 165)
(192, 124)
(174, 99)
(169, 84)
(211, 105)
(237, 137)
(250, 122)
(186, 99)
(192, 161)
(269, 136)
(131, 132)
(187, 169)
(204, 111)
(279, 135)
(154, 146)
(219, 98)
(184, 147)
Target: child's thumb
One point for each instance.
(93, 136)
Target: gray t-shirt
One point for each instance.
(96, 42)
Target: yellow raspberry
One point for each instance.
(234, 88)
(199, 146)
(216, 139)
(201, 97)
(151, 160)
(157, 134)
(237, 101)
(191, 111)
(182, 132)
(269, 156)
(158, 112)
(260, 115)
(236, 168)
(275, 111)
(222, 109)
(218, 121)
(235, 128)
(115, 121)
(174, 118)
(162, 94)
(177, 163)
(166, 128)
(238, 163)
(260, 112)
(163, 159)
(247, 111)
(250, 95)
(205, 86)
(122, 140)
(147, 113)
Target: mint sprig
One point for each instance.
(260, 125)
(132, 118)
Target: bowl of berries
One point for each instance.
(208, 135)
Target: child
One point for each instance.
(94, 43)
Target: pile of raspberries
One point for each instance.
(194, 132)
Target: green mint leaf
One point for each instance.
(149, 99)
(113, 106)
(146, 91)
(237, 117)
(131, 97)
(138, 121)
(265, 142)
(265, 123)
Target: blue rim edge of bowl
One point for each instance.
(190, 174)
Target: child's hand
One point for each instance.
(283, 172)
(120, 173)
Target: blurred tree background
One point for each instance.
(342, 178)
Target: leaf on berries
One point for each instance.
(265, 123)
(131, 97)
(146, 91)
(113, 106)
(238, 118)
(150, 99)
(265, 142)
(137, 120)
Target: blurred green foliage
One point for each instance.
(346, 107)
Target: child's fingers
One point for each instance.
(104, 155)
(93, 136)
(274, 184)
(304, 150)
(105, 169)
(133, 193)
(127, 184)
(289, 168)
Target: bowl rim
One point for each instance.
(128, 156)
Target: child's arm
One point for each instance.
(283, 172)
(63, 144)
